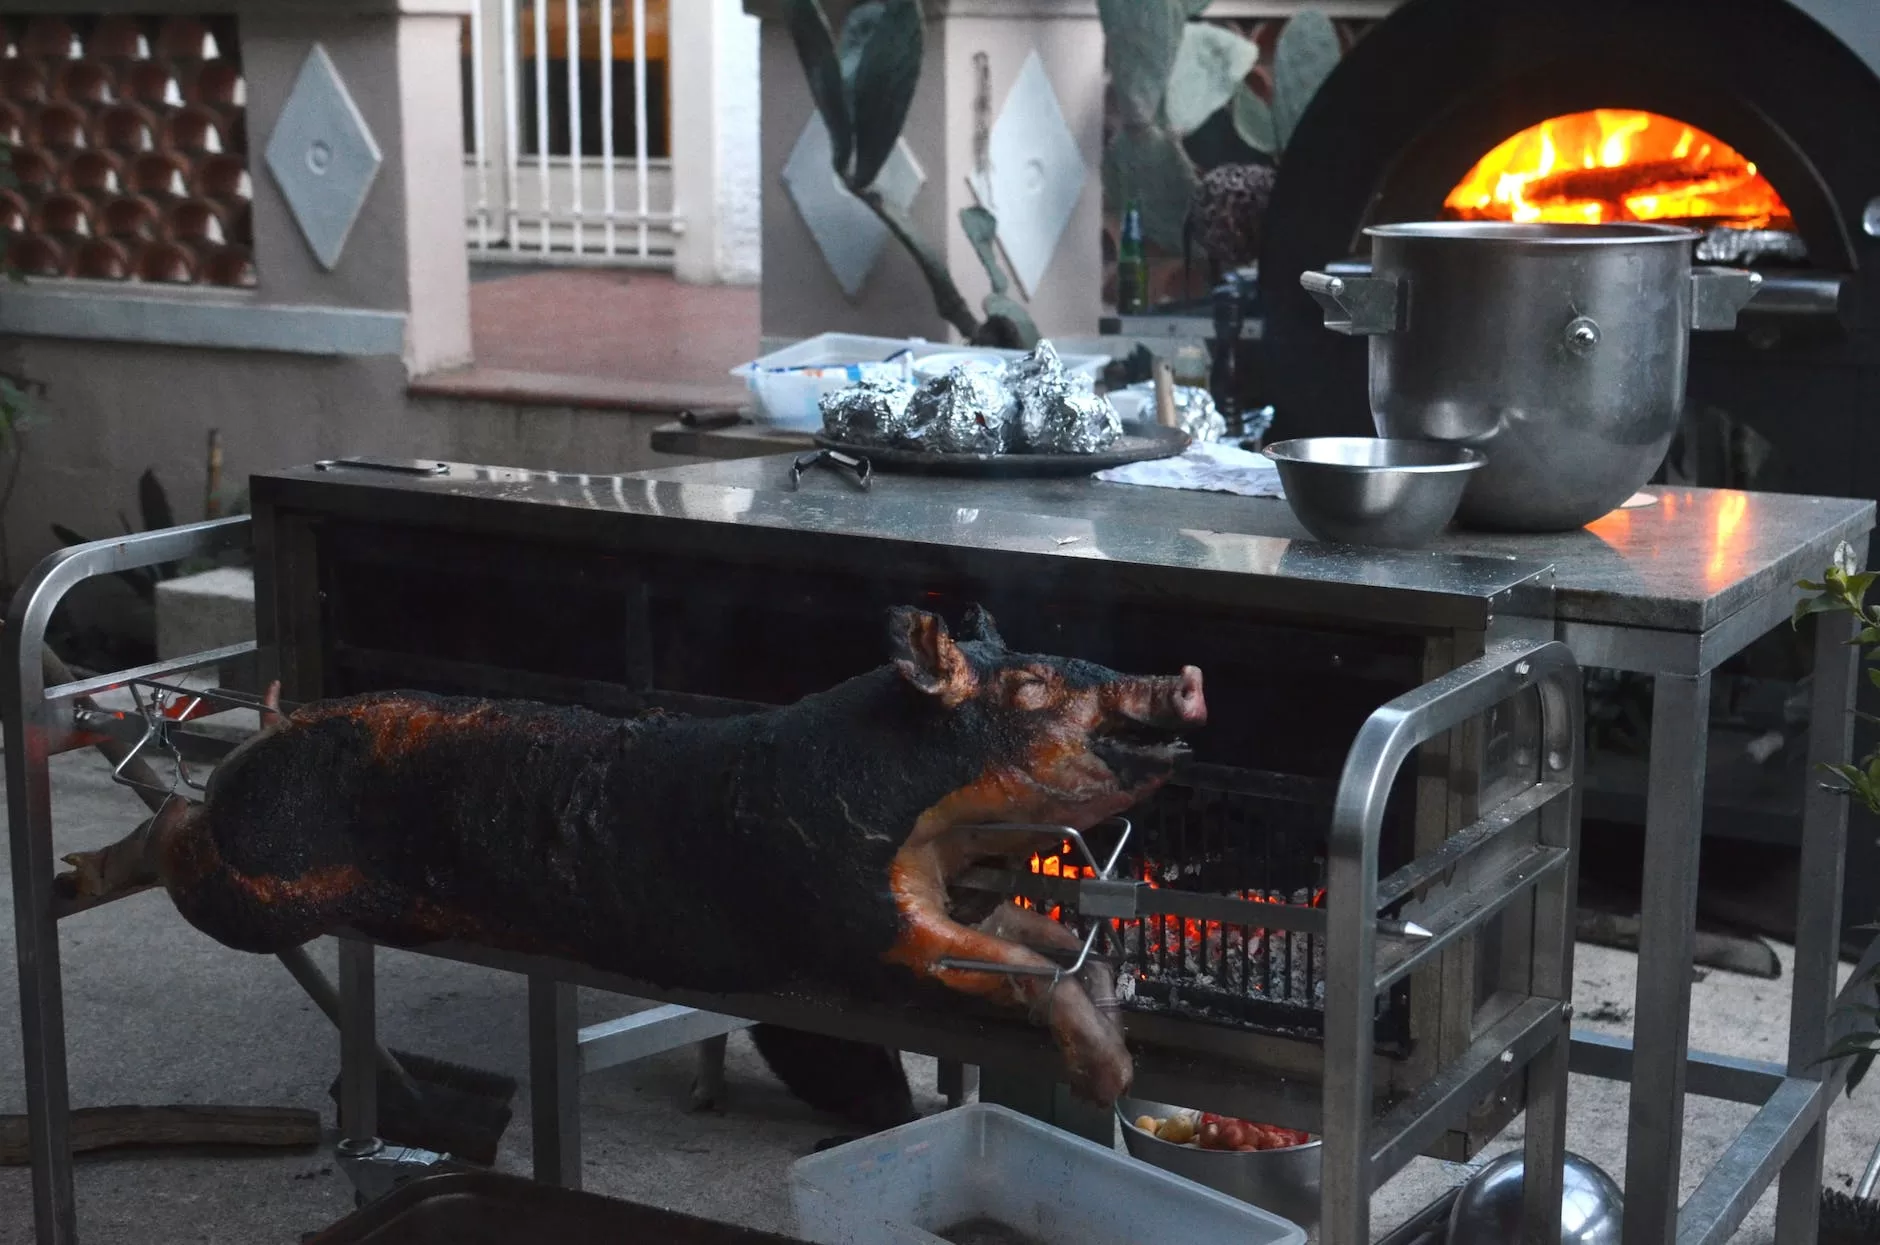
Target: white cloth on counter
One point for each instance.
(1210, 466)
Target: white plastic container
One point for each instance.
(980, 1163)
(787, 385)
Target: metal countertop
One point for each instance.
(931, 528)
(1686, 563)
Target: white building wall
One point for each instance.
(740, 161)
(716, 164)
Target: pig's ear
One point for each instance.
(978, 625)
(927, 657)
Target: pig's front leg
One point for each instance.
(1096, 1060)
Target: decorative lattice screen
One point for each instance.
(129, 145)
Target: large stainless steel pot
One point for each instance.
(1559, 351)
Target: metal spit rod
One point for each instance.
(1104, 897)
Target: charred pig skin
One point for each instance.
(805, 847)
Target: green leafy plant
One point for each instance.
(1843, 590)
(156, 513)
(863, 82)
(1172, 74)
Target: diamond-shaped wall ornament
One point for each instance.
(1035, 175)
(323, 157)
(849, 235)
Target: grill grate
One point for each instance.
(1219, 843)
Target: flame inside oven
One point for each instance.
(1613, 164)
(1179, 956)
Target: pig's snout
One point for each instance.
(1174, 703)
(1167, 703)
(1188, 702)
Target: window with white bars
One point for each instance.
(567, 127)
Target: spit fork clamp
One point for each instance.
(153, 726)
(1101, 896)
(836, 460)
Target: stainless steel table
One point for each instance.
(1670, 590)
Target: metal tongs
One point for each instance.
(1091, 898)
(861, 468)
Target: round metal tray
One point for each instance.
(1142, 443)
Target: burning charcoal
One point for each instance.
(868, 412)
(962, 412)
(1258, 955)
(1278, 959)
(1301, 956)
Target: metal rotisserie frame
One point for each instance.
(1482, 856)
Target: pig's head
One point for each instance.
(1066, 741)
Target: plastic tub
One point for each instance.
(984, 1173)
(787, 385)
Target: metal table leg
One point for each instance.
(358, 1042)
(36, 932)
(1818, 911)
(555, 1082)
(1667, 932)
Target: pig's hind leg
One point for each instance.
(133, 862)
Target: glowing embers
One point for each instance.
(1613, 164)
(1188, 964)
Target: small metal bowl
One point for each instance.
(1285, 1182)
(1374, 491)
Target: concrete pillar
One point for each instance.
(437, 272)
(802, 297)
(715, 142)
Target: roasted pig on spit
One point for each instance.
(807, 847)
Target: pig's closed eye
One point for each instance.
(1029, 692)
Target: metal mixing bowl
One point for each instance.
(1374, 490)
(1488, 1210)
(1285, 1182)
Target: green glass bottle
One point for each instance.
(1132, 269)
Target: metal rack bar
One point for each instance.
(669, 1026)
(1353, 1138)
(1717, 1207)
(37, 728)
(1469, 910)
(554, 1082)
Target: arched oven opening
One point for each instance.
(1756, 122)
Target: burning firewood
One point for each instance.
(808, 847)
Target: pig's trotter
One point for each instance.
(1097, 1063)
(128, 865)
(1082, 1011)
(115, 870)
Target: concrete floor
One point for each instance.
(159, 1014)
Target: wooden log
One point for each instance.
(108, 1128)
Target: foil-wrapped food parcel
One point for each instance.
(1031, 405)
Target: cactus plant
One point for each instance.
(863, 84)
(1171, 75)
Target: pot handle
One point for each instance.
(1356, 306)
(1717, 294)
